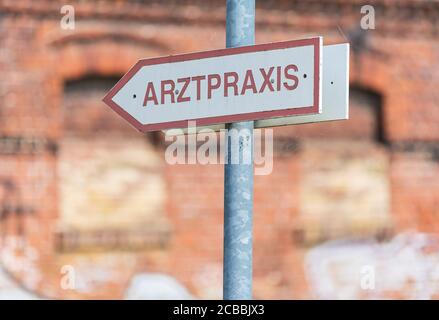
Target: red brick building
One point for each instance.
(81, 188)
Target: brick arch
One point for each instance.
(119, 37)
(102, 53)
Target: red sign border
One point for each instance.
(108, 99)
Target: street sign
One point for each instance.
(335, 90)
(335, 93)
(257, 82)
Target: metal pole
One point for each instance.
(238, 177)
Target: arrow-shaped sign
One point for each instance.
(238, 84)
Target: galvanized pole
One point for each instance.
(238, 173)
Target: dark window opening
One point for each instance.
(366, 109)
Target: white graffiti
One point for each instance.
(10, 290)
(146, 286)
(21, 260)
(405, 267)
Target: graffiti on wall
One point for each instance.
(405, 267)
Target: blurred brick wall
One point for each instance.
(393, 130)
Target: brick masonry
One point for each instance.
(381, 178)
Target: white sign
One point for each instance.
(335, 93)
(258, 82)
(335, 90)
